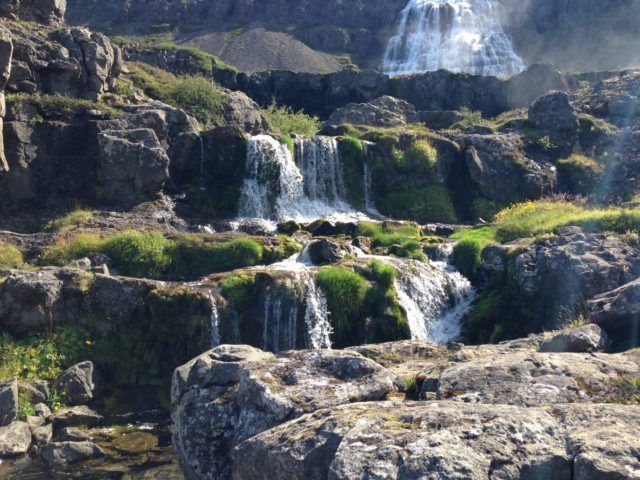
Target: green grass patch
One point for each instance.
(388, 234)
(10, 256)
(62, 106)
(467, 253)
(196, 255)
(419, 159)
(70, 221)
(285, 120)
(429, 204)
(202, 59)
(580, 174)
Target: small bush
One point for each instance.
(345, 291)
(430, 204)
(420, 158)
(69, 221)
(62, 106)
(65, 250)
(580, 174)
(285, 121)
(10, 256)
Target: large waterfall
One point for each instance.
(277, 188)
(456, 35)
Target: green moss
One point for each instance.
(352, 155)
(198, 255)
(383, 273)
(579, 174)
(468, 251)
(345, 291)
(62, 106)
(69, 221)
(202, 59)
(419, 159)
(10, 256)
(388, 234)
(238, 289)
(286, 121)
(139, 254)
(430, 204)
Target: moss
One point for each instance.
(579, 174)
(69, 221)
(420, 158)
(237, 290)
(10, 256)
(352, 155)
(388, 234)
(430, 204)
(138, 254)
(198, 255)
(62, 106)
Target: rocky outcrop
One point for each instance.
(508, 409)
(553, 112)
(242, 112)
(617, 309)
(248, 391)
(39, 11)
(589, 338)
(381, 112)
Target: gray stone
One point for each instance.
(42, 410)
(8, 401)
(588, 338)
(72, 434)
(553, 112)
(325, 251)
(66, 453)
(36, 391)
(81, 264)
(35, 422)
(382, 112)
(77, 383)
(42, 435)
(74, 416)
(15, 439)
(242, 112)
(619, 308)
(233, 392)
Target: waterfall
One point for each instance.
(456, 35)
(280, 320)
(316, 316)
(214, 320)
(276, 188)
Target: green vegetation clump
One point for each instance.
(152, 255)
(419, 159)
(346, 292)
(388, 234)
(69, 221)
(61, 105)
(10, 256)
(468, 251)
(237, 290)
(284, 120)
(580, 174)
(196, 94)
(429, 204)
(203, 60)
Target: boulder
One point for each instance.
(440, 119)
(71, 434)
(36, 391)
(617, 309)
(133, 164)
(553, 112)
(42, 410)
(589, 338)
(535, 81)
(77, 383)
(74, 416)
(42, 435)
(325, 251)
(8, 402)
(500, 169)
(385, 111)
(66, 453)
(242, 112)
(233, 392)
(15, 439)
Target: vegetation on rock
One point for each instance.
(284, 120)
(10, 256)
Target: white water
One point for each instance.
(456, 35)
(276, 188)
(214, 319)
(369, 205)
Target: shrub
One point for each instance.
(580, 174)
(69, 221)
(285, 120)
(65, 250)
(195, 256)
(430, 204)
(10, 256)
(62, 106)
(345, 291)
(420, 158)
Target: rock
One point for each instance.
(77, 383)
(325, 251)
(439, 440)
(134, 165)
(242, 112)
(624, 106)
(81, 264)
(42, 410)
(27, 300)
(589, 338)
(535, 81)
(440, 119)
(326, 228)
(42, 435)
(382, 112)
(135, 442)
(35, 422)
(617, 309)
(66, 453)
(72, 434)
(74, 416)
(233, 392)
(8, 402)
(15, 439)
(37, 391)
(500, 169)
(553, 112)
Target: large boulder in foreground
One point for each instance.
(232, 393)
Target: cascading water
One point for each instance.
(316, 316)
(276, 188)
(456, 35)
(369, 205)
(214, 319)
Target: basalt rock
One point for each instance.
(382, 112)
(617, 309)
(589, 338)
(8, 402)
(65, 453)
(77, 383)
(15, 439)
(553, 112)
(40, 11)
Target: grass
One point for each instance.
(428, 204)
(10, 256)
(70, 221)
(388, 234)
(61, 105)
(420, 158)
(196, 94)
(580, 174)
(152, 255)
(202, 59)
(284, 120)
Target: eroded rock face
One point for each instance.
(617, 309)
(231, 393)
(242, 112)
(385, 111)
(40, 11)
(553, 112)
